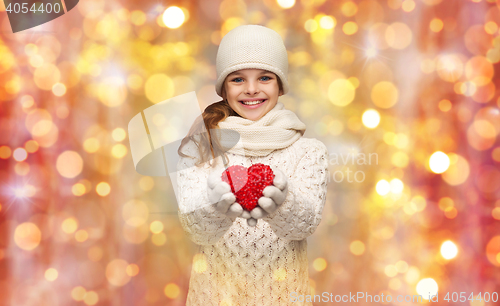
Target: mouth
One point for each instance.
(252, 103)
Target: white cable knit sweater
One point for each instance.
(263, 265)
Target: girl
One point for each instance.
(257, 257)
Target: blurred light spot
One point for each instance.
(27, 236)
(418, 203)
(78, 293)
(485, 129)
(371, 118)
(51, 274)
(445, 202)
(69, 164)
(449, 249)
(159, 87)
(30, 49)
(401, 141)
(449, 67)
(5, 152)
(408, 5)
(42, 128)
(119, 150)
(280, 274)
(59, 89)
(412, 275)
(492, 250)
(22, 168)
(400, 159)
(384, 94)
(495, 213)
(156, 227)
(341, 92)
(286, 3)
(171, 291)
(146, 183)
(112, 91)
(78, 189)
(103, 189)
(46, 76)
(450, 212)
(436, 25)
(402, 266)
(390, 270)
(69, 225)
(319, 264)
(132, 270)
(159, 239)
(31, 146)
(383, 187)
(327, 22)
(311, 25)
(349, 8)
(426, 287)
(116, 272)
(479, 70)
(354, 81)
(350, 28)
(491, 27)
(458, 171)
(25, 191)
(475, 139)
(81, 235)
(135, 212)
(20, 154)
(357, 247)
(398, 35)
(200, 263)
(118, 134)
(62, 111)
(173, 17)
(396, 186)
(439, 162)
(91, 145)
(137, 17)
(444, 105)
(91, 298)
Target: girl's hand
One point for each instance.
(219, 192)
(273, 197)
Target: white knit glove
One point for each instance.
(219, 192)
(274, 196)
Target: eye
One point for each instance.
(234, 80)
(268, 78)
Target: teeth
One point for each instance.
(252, 102)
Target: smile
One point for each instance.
(253, 102)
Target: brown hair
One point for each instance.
(211, 116)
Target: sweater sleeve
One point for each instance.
(300, 214)
(203, 224)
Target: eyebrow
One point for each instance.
(239, 73)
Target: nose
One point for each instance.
(252, 87)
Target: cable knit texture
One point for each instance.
(263, 265)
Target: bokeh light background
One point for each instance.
(411, 84)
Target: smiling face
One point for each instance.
(251, 93)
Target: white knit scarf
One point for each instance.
(277, 129)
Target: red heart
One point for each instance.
(248, 184)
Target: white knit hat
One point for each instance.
(251, 46)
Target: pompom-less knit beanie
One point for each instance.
(251, 46)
